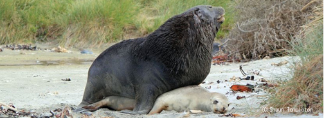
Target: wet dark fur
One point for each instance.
(175, 55)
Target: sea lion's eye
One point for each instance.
(215, 102)
(228, 105)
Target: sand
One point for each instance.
(34, 81)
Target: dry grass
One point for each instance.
(265, 28)
(305, 89)
(282, 27)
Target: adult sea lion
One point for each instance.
(177, 54)
(180, 99)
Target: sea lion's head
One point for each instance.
(219, 103)
(205, 18)
(206, 14)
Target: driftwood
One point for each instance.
(9, 107)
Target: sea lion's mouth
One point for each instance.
(221, 19)
(220, 112)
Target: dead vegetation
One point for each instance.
(305, 89)
(265, 28)
(271, 28)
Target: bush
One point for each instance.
(305, 89)
(265, 28)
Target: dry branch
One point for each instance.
(267, 26)
(9, 107)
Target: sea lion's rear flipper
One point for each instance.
(97, 105)
(82, 111)
(93, 107)
(158, 107)
(114, 102)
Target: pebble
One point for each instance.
(32, 111)
(46, 115)
(85, 51)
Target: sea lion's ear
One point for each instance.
(215, 102)
(197, 15)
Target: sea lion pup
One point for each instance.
(191, 98)
(181, 99)
(175, 55)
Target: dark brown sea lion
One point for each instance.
(175, 55)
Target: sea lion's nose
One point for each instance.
(220, 14)
(223, 110)
(221, 19)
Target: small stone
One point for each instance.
(46, 115)
(66, 79)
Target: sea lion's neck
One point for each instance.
(180, 46)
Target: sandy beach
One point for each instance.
(37, 82)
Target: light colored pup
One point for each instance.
(181, 99)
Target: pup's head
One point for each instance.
(219, 103)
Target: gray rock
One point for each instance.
(86, 51)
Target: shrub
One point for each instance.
(265, 28)
(305, 89)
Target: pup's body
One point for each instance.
(181, 99)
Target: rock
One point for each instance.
(263, 80)
(86, 51)
(266, 57)
(218, 81)
(240, 97)
(66, 79)
(46, 115)
(32, 111)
